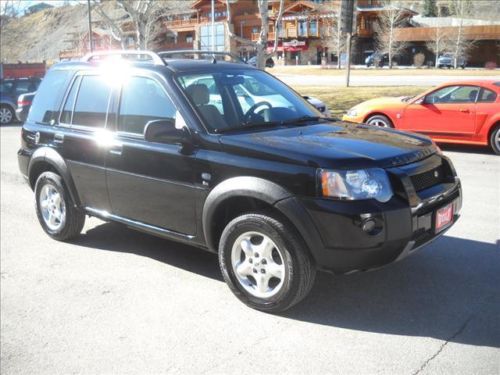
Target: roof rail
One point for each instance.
(213, 54)
(157, 60)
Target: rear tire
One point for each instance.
(380, 121)
(265, 263)
(6, 115)
(57, 215)
(495, 140)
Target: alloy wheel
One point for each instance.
(52, 207)
(378, 122)
(5, 115)
(258, 264)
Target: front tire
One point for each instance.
(495, 140)
(57, 215)
(380, 121)
(265, 262)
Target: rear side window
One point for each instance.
(70, 102)
(92, 102)
(48, 98)
(143, 100)
(487, 96)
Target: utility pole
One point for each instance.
(347, 13)
(213, 25)
(91, 44)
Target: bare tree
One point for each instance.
(392, 17)
(332, 36)
(261, 44)
(10, 8)
(440, 42)
(144, 16)
(112, 24)
(461, 44)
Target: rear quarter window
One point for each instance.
(48, 98)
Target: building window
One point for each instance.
(313, 27)
(189, 38)
(206, 37)
(303, 28)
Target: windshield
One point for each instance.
(246, 99)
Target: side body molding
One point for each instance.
(46, 155)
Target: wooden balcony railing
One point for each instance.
(256, 36)
(182, 22)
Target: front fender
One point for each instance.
(246, 187)
(269, 192)
(48, 156)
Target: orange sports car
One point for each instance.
(465, 112)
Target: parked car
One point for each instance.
(318, 104)
(447, 60)
(377, 59)
(7, 109)
(10, 89)
(23, 106)
(278, 192)
(466, 112)
(253, 61)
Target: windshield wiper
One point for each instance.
(257, 125)
(263, 125)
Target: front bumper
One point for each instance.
(356, 119)
(401, 225)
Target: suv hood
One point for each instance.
(333, 145)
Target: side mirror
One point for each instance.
(164, 131)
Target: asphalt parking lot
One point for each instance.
(118, 301)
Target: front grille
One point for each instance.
(429, 178)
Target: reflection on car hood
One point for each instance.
(332, 145)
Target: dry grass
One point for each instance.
(318, 71)
(340, 99)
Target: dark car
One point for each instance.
(23, 106)
(447, 60)
(276, 190)
(253, 61)
(10, 90)
(377, 59)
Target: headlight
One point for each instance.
(352, 112)
(356, 184)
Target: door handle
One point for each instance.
(116, 150)
(464, 110)
(58, 138)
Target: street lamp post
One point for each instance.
(213, 25)
(91, 44)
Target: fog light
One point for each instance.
(368, 225)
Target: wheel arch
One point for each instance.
(47, 159)
(495, 124)
(378, 113)
(238, 195)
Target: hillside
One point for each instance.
(40, 36)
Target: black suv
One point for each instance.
(263, 180)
